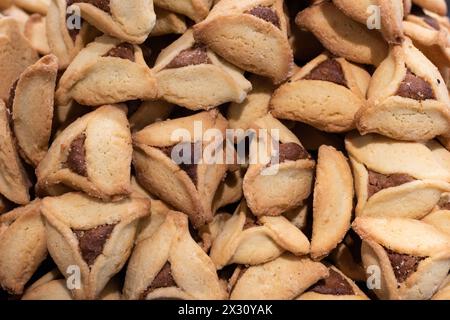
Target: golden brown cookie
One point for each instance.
(93, 236)
(150, 112)
(66, 34)
(168, 22)
(333, 201)
(341, 35)
(256, 105)
(107, 71)
(31, 103)
(407, 98)
(231, 22)
(35, 32)
(396, 178)
(16, 54)
(170, 265)
(280, 173)
(189, 74)
(411, 257)
(243, 239)
(429, 35)
(14, 182)
(22, 246)
(326, 93)
(391, 15)
(284, 278)
(130, 21)
(178, 166)
(93, 154)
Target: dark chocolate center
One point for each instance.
(416, 88)
(403, 264)
(91, 242)
(329, 70)
(335, 284)
(266, 14)
(123, 51)
(189, 57)
(76, 159)
(379, 181)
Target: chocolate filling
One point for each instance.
(292, 152)
(403, 264)
(91, 242)
(191, 167)
(432, 22)
(379, 181)
(76, 159)
(414, 87)
(444, 205)
(189, 57)
(101, 4)
(335, 285)
(123, 51)
(329, 70)
(163, 279)
(266, 14)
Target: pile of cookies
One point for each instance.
(328, 122)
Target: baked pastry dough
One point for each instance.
(53, 286)
(35, 32)
(189, 186)
(231, 23)
(22, 246)
(341, 35)
(34, 6)
(256, 105)
(444, 291)
(277, 179)
(229, 190)
(20, 16)
(130, 21)
(150, 112)
(335, 287)
(391, 18)
(168, 22)
(326, 93)
(440, 216)
(429, 35)
(407, 98)
(170, 265)
(284, 278)
(107, 71)
(245, 240)
(31, 102)
(16, 54)
(188, 73)
(413, 257)
(347, 257)
(333, 201)
(65, 38)
(437, 6)
(93, 235)
(14, 182)
(408, 183)
(93, 154)
(196, 10)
